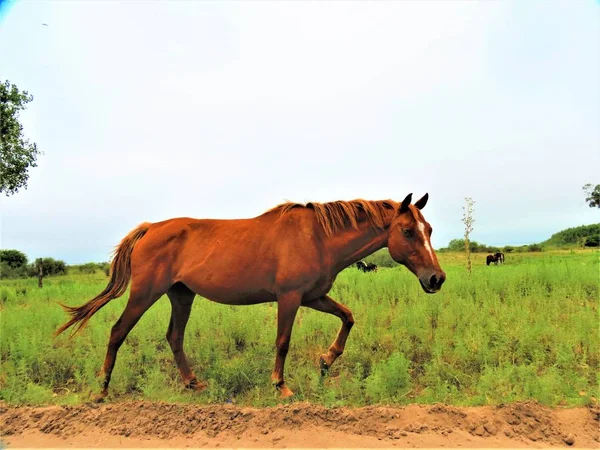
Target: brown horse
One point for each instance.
(500, 257)
(290, 255)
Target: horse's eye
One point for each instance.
(407, 232)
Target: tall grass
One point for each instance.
(524, 330)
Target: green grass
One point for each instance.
(528, 329)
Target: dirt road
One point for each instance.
(147, 424)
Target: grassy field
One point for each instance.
(528, 329)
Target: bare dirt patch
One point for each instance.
(148, 424)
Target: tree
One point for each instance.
(592, 195)
(17, 154)
(50, 266)
(13, 258)
(456, 245)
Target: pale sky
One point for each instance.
(158, 109)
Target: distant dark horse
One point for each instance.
(361, 265)
(492, 259)
(366, 267)
(500, 257)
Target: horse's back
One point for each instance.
(237, 261)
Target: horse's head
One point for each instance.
(409, 244)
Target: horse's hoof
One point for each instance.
(324, 366)
(285, 392)
(99, 398)
(196, 385)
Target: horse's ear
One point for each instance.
(422, 201)
(405, 203)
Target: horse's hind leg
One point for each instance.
(181, 302)
(330, 306)
(139, 302)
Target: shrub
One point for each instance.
(50, 266)
(90, 268)
(87, 268)
(7, 271)
(458, 245)
(13, 258)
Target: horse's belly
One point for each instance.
(237, 298)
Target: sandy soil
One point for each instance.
(147, 424)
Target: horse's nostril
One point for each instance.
(433, 281)
(441, 280)
(436, 282)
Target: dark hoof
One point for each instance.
(324, 367)
(196, 385)
(285, 392)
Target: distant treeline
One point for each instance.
(458, 245)
(15, 264)
(383, 259)
(583, 236)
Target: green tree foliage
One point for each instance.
(50, 266)
(17, 154)
(13, 258)
(587, 235)
(592, 195)
(13, 264)
(535, 248)
(582, 236)
(592, 241)
(458, 245)
(90, 268)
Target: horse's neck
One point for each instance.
(350, 245)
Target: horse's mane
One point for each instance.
(333, 216)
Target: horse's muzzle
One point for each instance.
(434, 283)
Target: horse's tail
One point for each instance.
(120, 273)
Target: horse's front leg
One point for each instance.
(287, 307)
(330, 306)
